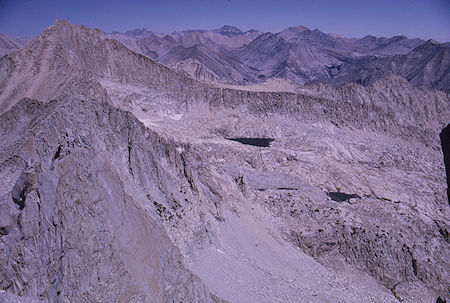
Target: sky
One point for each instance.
(427, 19)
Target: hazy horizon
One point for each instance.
(351, 18)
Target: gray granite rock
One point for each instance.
(118, 183)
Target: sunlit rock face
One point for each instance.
(119, 182)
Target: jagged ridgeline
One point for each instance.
(118, 182)
(297, 53)
(229, 55)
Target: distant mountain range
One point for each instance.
(298, 54)
(9, 44)
(229, 55)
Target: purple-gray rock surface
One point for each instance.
(119, 181)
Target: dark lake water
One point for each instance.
(260, 142)
(341, 197)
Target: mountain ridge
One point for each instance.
(308, 56)
(117, 138)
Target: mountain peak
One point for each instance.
(139, 32)
(265, 36)
(61, 22)
(427, 46)
(298, 29)
(64, 25)
(65, 33)
(229, 30)
(293, 32)
(431, 41)
(368, 38)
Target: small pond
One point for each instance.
(260, 142)
(341, 197)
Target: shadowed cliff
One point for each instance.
(445, 142)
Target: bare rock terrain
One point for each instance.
(120, 183)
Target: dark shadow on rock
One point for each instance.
(445, 143)
(439, 300)
(21, 190)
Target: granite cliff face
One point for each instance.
(119, 182)
(80, 233)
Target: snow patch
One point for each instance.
(176, 117)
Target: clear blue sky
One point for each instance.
(351, 18)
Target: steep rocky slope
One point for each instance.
(194, 69)
(383, 46)
(123, 174)
(427, 65)
(312, 56)
(210, 48)
(80, 232)
(226, 67)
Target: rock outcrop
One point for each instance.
(194, 69)
(80, 233)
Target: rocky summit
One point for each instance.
(126, 180)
